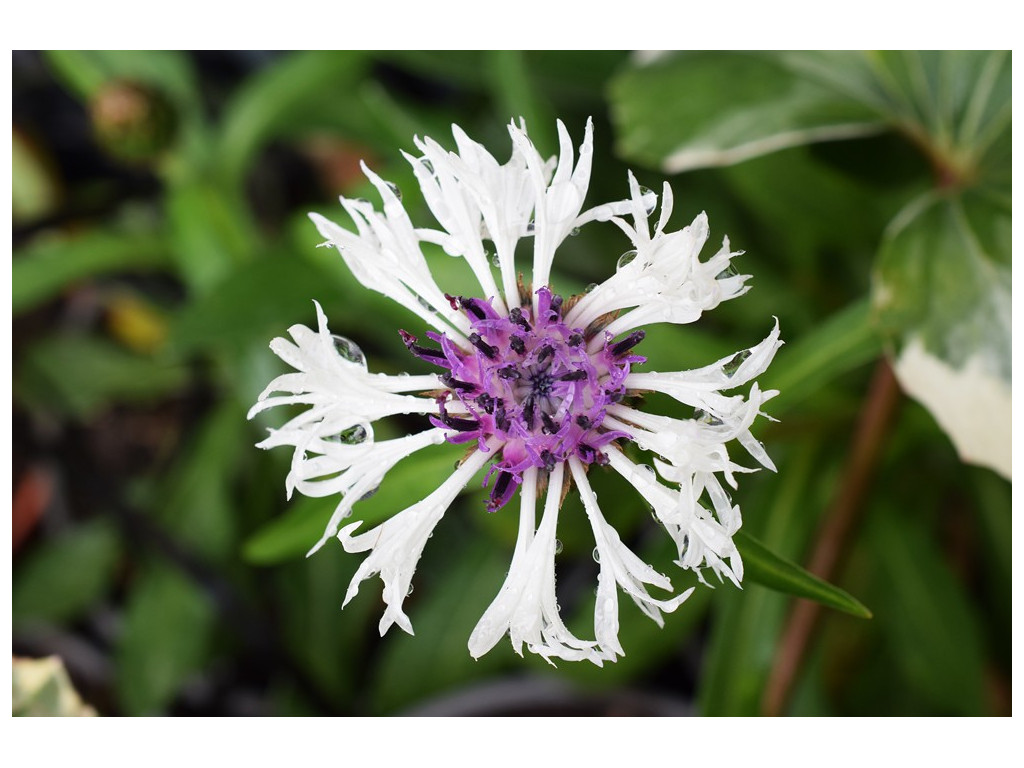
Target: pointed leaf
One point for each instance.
(764, 567)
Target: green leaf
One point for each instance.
(50, 265)
(293, 534)
(929, 618)
(705, 109)
(62, 578)
(87, 71)
(285, 96)
(942, 296)
(762, 566)
(517, 97)
(836, 346)
(80, 375)
(444, 613)
(167, 631)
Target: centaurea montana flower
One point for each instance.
(538, 387)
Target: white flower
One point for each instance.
(539, 391)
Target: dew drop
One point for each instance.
(705, 418)
(354, 435)
(409, 590)
(597, 555)
(348, 350)
(429, 166)
(574, 231)
(685, 545)
(558, 546)
(590, 287)
(348, 514)
(725, 274)
(734, 364)
(649, 470)
(650, 205)
(370, 493)
(426, 305)
(495, 260)
(531, 227)
(394, 189)
(625, 259)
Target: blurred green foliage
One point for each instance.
(171, 522)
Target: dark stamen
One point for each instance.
(424, 353)
(549, 460)
(501, 419)
(486, 402)
(452, 383)
(472, 306)
(459, 425)
(575, 339)
(516, 316)
(549, 424)
(577, 375)
(545, 352)
(453, 301)
(528, 412)
(628, 343)
(500, 487)
(517, 344)
(556, 306)
(509, 372)
(584, 421)
(489, 351)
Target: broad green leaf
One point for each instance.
(63, 577)
(294, 533)
(88, 71)
(34, 192)
(705, 109)
(50, 265)
(443, 612)
(942, 296)
(210, 232)
(762, 566)
(42, 688)
(281, 98)
(168, 626)
(836, 346)
(80, 375)
(196, 501)
(933, 627)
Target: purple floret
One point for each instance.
(530, 384)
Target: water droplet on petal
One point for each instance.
(651, 202)
(734, 364)
(370, 492)
(590, 287)
(409, 590)
(495, 260)
(704, 417)
(394, 189)
(354, 435)
(429, 166)
(649, 470)
(426, 305)
(531, 227)
(348, 350)
(625, 259)
(597, 555)
(725, 274)
(558, 546)
(574, 231)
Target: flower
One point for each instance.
(538, 387)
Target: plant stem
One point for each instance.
(872, 426)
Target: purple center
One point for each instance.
(530, 385)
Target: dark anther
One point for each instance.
(459, 425)
(545, 352)
(549, 424)
(575, 339)
(516, 316)
(489, 351)
(586, 452)
(509, 372)
(517, 344)
(435, 356)
(452, 383)
(616, 396)
(577, 375)
(628, 343)
(528, 412)
(584, 421)
(486, 402)
(549, 460)
(556, 305)
(601, 459)
(501, 419)
(452, 300)
(472, 306)
(501, 485)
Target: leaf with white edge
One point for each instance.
(762, 566)
(942, 295)
(709, 109)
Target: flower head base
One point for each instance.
(536, 386)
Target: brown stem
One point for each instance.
(872, 424)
